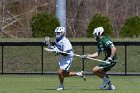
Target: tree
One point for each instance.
(44, 24)
(131, 27)
(97, 21)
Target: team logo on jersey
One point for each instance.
(108, 43)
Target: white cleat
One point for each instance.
(105, 82)
(112, 87)
(61, 87)
(82, 75)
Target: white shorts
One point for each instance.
(65, 62)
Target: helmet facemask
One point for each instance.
(58, 34)
(97, 37)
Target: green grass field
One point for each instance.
(48, 84)
(27, 59)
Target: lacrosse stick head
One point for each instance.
(47, 41)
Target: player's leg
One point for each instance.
(64, 66)
(102, 74)
(104, 68)
(107, 68)
(97, 71)
(67, 73)
(61, 79)
(63, 72)
(106, 81)
(80, 74)
(110, 86)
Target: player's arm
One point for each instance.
(113, 50)
(94, 55)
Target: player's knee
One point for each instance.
(95, 70)
(60, 72)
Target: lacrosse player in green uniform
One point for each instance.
(106, 46)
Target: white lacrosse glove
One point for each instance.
(109, 60)
(51, 47)
(55, 50)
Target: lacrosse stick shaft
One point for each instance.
(80, 56)
(51, 50)
(96, 59)
(47, 49)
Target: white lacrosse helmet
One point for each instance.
(98, 32)
(59, 31)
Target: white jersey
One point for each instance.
(64, 44)
(65, 61)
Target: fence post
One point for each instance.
(125, 59)
(83, 65)
(42, 60)
(2, 60)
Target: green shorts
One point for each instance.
(106, 67)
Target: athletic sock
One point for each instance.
(61, 86)
(110, 84)
(106, 78)
(79, 74)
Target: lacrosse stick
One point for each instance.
(51, 50)
(47, 41)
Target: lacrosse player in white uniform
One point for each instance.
(63, 44)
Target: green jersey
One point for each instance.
(104, 45)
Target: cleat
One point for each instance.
(61, 87)
(112, 87)
(83, 75)
(105, 82)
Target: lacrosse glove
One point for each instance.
(109, 60)
(84, 56)
(51, 47)
(56, 50)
